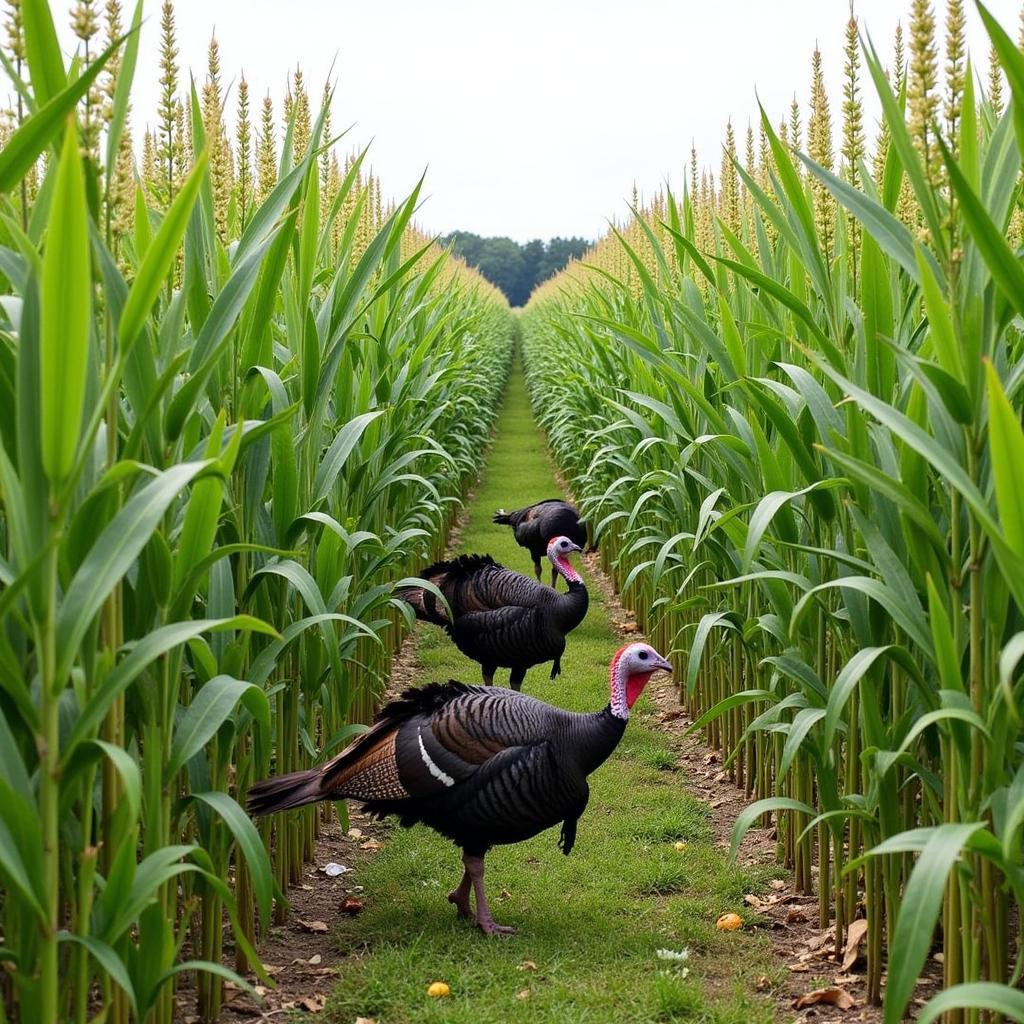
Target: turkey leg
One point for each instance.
(460, 895)
(484, 921)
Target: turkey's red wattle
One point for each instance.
(635, 686)
(569, 574)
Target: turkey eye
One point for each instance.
(643, 655)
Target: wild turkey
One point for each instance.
(535, 525)
(501, 618)
(481, 765)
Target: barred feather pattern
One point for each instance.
(499, 618)
(481, 765)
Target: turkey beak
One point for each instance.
(663, 665)
(575, 547)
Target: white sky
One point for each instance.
(533, 118)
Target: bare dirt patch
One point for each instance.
(299, 955)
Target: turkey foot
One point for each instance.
(484, 921)
(460, 896)
(491, 927)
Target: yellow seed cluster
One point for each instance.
(723, 205)
(245, 157)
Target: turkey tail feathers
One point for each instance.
(443, 573)
(446, 576)
(424, 604)
(516, 517)
(285, 791)
(367, 769)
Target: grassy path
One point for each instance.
(590, 922)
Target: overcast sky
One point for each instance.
(533, 117)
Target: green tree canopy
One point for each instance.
(513, 267)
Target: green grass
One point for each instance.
(591, 922)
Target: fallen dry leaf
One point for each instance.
(371, 844)
(796, 917)
(527, 965)
(777, 883)
(523, 995)
(763, 984)
(753, 901)
(313, 926)
(355, 833)
(312, 1004)
(854, 937)
(351, 906)
(820, 941)
(837, 997)
(365, 1020)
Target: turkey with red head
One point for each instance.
(501, 618)
(483, 766)
(536, 524)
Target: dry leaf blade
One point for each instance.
(834, 996)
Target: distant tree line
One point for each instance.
(513, 267)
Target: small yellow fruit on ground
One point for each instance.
(680, 846)
(438, 989)
(729, 922)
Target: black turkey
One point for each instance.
(502, 618)
(481, 765)
(535, 525)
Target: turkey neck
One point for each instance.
(571, 607)
(593, 737)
